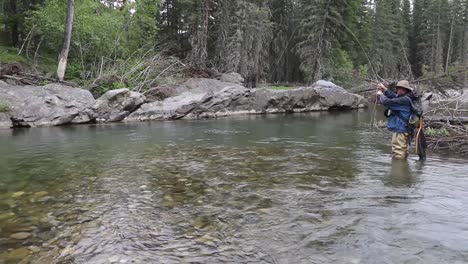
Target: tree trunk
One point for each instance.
(14, 24)
(200, 40)
(63, 57)
(449, 49)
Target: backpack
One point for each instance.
(416, 112)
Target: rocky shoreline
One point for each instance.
(56, 104)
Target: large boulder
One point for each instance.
(230, 99)
(50, 105)
(115, 105)
(321, 96)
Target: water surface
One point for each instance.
(306, 188)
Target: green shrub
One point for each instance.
(10, 55)
(4, 107)
(73, 71)
(437, 132)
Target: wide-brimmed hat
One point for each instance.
(404, 84)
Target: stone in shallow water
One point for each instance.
(40, 194)
(34, 249)
(17, 194)
(20, 235)
(6, 216)
(18, 254)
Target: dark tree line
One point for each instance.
(284, 40)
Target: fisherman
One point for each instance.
(398, 110)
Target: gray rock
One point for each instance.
(232, 77)
(50, 105)
(20, 235)
(115, 105)
(204, 102)
(5, 121)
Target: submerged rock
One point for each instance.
(41, 194)
(18, 254)
(17, 194)
(6, 216)
(230, 99)
(34, 249)
(20, 235)
(50, 105)
(5, 121)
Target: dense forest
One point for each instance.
(148, 42)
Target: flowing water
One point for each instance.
(305, 188)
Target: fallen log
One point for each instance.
(32, 79)
(447, 119)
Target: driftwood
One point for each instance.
(447, 119)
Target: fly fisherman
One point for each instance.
(398, 110)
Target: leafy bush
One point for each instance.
(437, 132)
(4, 107)
(10, 55)
(97, 32)
(101, 35)
(73, 71)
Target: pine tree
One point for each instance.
(243, 38)
(318, 32)
(284, 62)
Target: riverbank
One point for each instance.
(57, 104)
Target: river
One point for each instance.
(303, 188)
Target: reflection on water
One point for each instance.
(309, 188)
(400, 174)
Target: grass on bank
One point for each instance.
(10, 55)
(437, 132)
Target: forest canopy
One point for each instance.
(275, 41)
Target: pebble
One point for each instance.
(20, 235)
(24, 229)
(6, 216)
(40, 194)
(17, 194)
(18, 254)
(34, 249)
